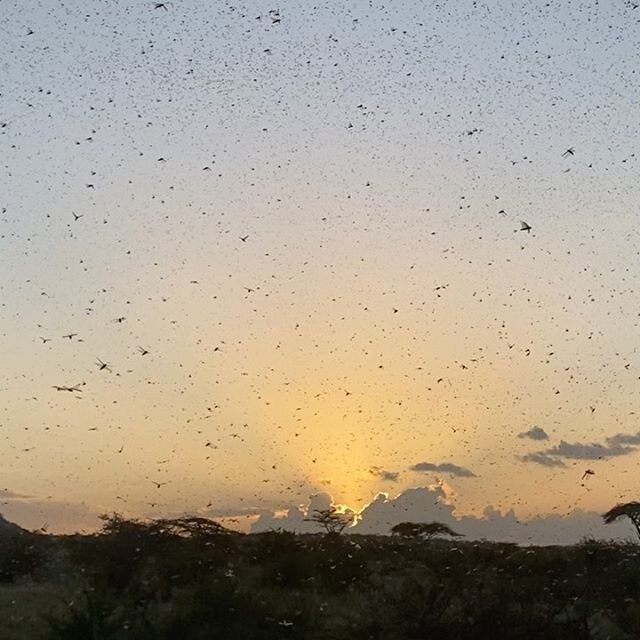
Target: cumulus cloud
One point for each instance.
(535, 433)
(383, 474)
(294, 519)
(621, 444)
(445, 467)
(422, 504)
(418, 504)
(429, 504)
(568, 528)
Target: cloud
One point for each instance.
(543, 459)
(421, 504)
(429, 504)
(621, 444)
(387, 476)
(624, 438)
(223, 512)
(567, 528)
(294, 519)
(418, 504)
(535, 433)
(58, 517)
(432, 504)
(7, 494)
(445, 467)
(588, 451)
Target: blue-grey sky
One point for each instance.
(293, 233)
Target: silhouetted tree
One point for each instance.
(331, 520)
(423, 530)
(192, 527)
(116, 525)
(629, 510)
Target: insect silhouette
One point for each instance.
(102, 366)
(69, 389)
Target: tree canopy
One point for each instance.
(185, 527)
(629, 510)
(423, 530)
(331, 520)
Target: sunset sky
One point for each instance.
(298, 250)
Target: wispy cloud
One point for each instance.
(535, 433)
(7, 494)
(445, 467)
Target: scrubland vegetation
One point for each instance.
(192, 579)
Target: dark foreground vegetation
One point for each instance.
(191, 579)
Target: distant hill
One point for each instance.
(9, 528)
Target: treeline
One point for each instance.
(190, 578)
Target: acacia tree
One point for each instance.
(192, 527)
(629, 510)
(331, 520)
(423, 530)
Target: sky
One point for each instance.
(293, 234)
